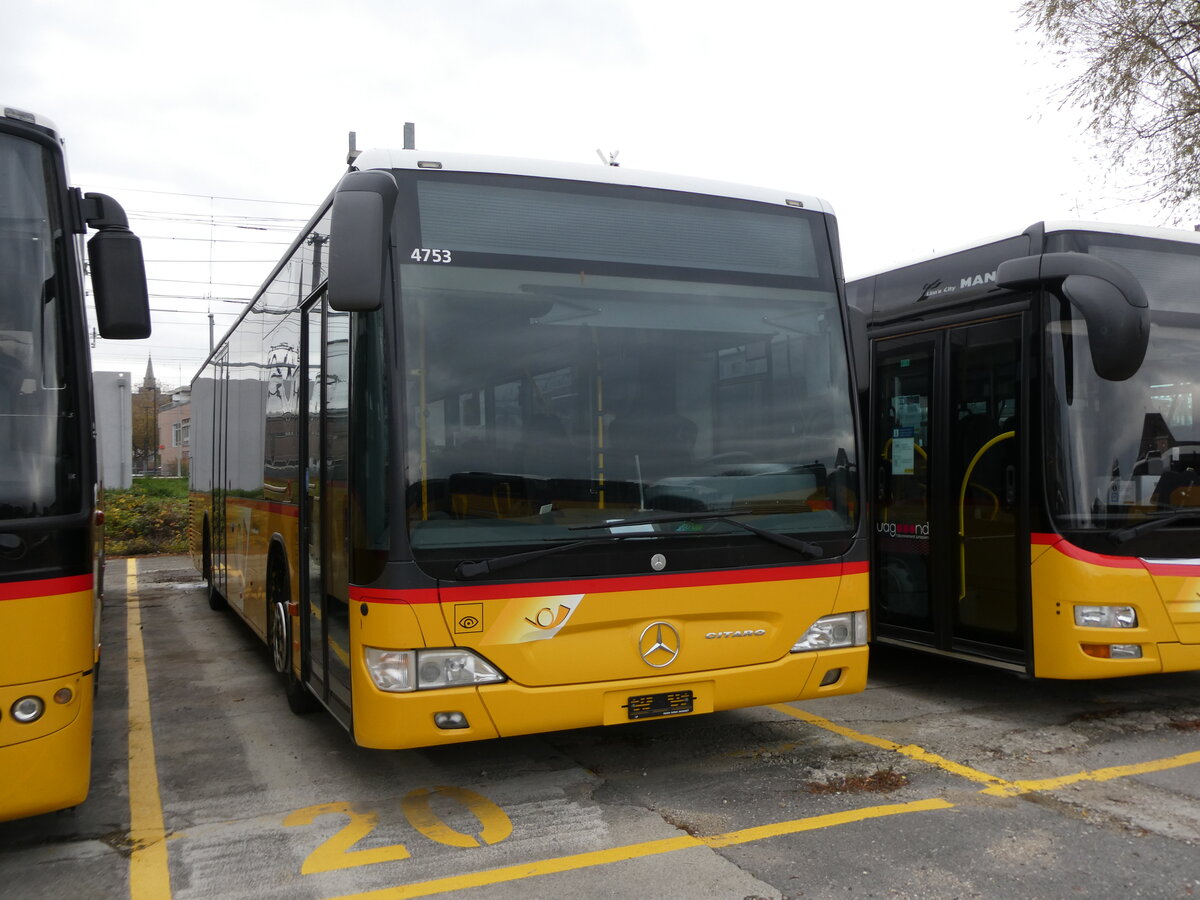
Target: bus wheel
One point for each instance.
(279, 638)
(215, 600)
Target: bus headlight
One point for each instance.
(28, 709)
(453, 668)
(392, 670)
(830, 632)
(398, 671)
(1106, 616)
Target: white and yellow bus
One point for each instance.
(1035, 451)
(506, 446)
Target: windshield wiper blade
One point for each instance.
(470, 568)
(810, 550)
(1125, 535)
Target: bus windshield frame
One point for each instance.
(695, 361)
(40, 420)
(1120, 454)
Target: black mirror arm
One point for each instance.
(1111, 300)
(1052, 269)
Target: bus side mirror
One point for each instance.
(118, 271)
(1111, 300)
(361, 227)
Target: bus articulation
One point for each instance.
(505, 447)
(51, 553)
(1035, 451)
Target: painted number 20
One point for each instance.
(424, 254)
(337, 851)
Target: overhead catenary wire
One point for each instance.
(182, 297)
(214, 197)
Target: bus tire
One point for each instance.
(279, 639)
(215, 601)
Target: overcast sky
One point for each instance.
(927, 125)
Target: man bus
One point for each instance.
(1035, 451)
(505, 447)
(50, 539)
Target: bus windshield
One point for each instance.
(1125, 452)
(38, 423)
(629, 356)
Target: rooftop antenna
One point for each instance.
(610, 159)
(410, 136)
(354, 151)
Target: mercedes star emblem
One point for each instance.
(659, 644)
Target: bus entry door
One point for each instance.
(945, 466)
(323, 522)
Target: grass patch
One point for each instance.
(149, 517)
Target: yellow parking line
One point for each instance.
(149, 877)
(637, 851)
(758, 833)
(909, 750)
(997, 787)
(1105, 774)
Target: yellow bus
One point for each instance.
(50, 537)
(1035, 451)
(506, 446)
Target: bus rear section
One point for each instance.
(504, 447)
(1036, 451)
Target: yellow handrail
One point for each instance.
(962, 500)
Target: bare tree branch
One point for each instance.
(1139, 82)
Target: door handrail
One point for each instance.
(962, 500)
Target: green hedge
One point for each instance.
(150, 517)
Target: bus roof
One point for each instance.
(1149, 231)
(1049, 226)
(23, 115)
(603, 174)
(969, 271)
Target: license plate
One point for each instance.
(671, 703)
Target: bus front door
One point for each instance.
(311, 520)
(326, 593)
(947, 531)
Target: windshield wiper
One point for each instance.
(1125, 535)
(810, 550)
(470, 568)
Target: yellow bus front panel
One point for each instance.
(46, 764)
(47, 659)
(581, 655)
(47, 628)
(1165, 598)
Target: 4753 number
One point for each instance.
(427, 255)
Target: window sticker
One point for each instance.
(902, 451)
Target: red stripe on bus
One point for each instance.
(605, 585)
(1167, 569)
(1066, 548)
(45, 587)
(1176, 570)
